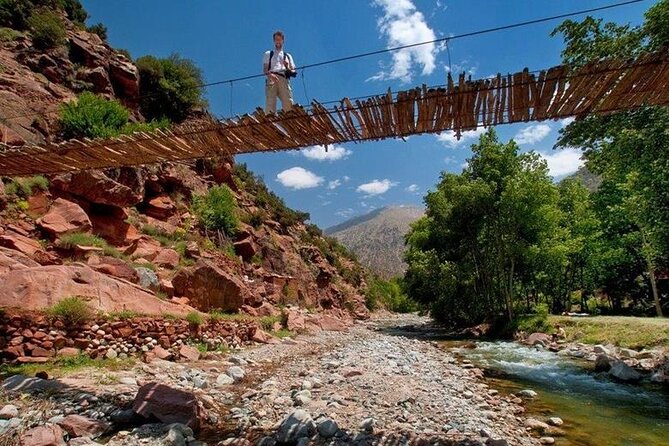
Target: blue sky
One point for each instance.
(227, 39)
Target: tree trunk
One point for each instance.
(509, 293)
(656, 295)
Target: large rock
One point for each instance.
(96, 187)
(124, 77)
(113, 267)
(9, 264)
(45, 435)
(295, 426)
(145, 248)
(603, 362)
(41, 287)
(621, 371)
(65, 217)
(246, 248)
(169, 405)
(78, 426)
(209, 287)
(160, 207)
(538, 339)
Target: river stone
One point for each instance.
(327, 428)
(298, 424)
(535, 424)
(527, 393)
(496, 442)
(367, 425)
(623, 372)
(600, 349)
(236, 373)
(555, 421)
(547, 440)
(224, 379)
(8, 412)
(302, 397)
(603, 362)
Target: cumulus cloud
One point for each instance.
(412, 188)
(298, 178)
(532, 134)
(318, 153)
(402, 24)
(376, 187)
(563, 162)
(448, 137)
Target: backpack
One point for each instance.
(289, 73)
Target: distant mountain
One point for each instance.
(377, 238)
(590, 180)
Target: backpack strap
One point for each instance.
(271, 54)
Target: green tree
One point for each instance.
(629, 149)
(169, 88)
(469, 256)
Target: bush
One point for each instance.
(16, 13)
(25, 187)
(9, 35)
(389, 295)
(216, 210)
(73, 309)
(47, 28)
(194, 318)
(169, 88)
(92, 116)
(98, 29)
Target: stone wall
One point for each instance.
(31, 337)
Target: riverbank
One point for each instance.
(623, 331)
(377, 382)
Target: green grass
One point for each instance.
(73, 309)
(283, 333)
(267, 322)
(70, 241)
(623, 331)
(25, 187)
(215, 316)
(194, 318)
(121, 315)
(64, 366)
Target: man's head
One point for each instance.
(278, 39)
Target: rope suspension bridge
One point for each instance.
(601, 87)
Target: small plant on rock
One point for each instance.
(194, 318)
(217, 210)
(48, 29)
(73, 310)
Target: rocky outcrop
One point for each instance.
(209, 287)
(64, 217)
(96, 187)
(41, 287)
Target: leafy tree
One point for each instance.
(629, 149)
(169, 88)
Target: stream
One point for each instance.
(596, 410)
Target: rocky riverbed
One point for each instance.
(366, 385)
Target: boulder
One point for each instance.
(124, 77)
(41, 287)
(167, 258)
(661, 374)
(603, 362)
(246, 248)
(21, 243)
(622, 372)
(8, 412)
(295, 426)
(189, 353)
(147, 278)
(160, 207)
(78, 426)
(45, 435)
(111, 223)
(8, 264)
(98, 77)
(145, 248)
(169, 405)
(538, 339)
(64, 217)
(236, 373)
(114, 267)
(96, 187)
(535, 425)
(209, 287)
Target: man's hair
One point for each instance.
(278, 33)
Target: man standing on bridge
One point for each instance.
(279, 67)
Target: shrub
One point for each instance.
(47, 28)
(73, 309)
(25, 187)
(169, 88)
(9, 35)
(388, 294)
(267, 322)
(92, 116)
(194, 318)
(216, 210)
(98, 29)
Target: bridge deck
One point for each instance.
(602, 87)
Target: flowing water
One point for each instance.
(596, 410)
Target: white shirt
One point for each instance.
(278, 62)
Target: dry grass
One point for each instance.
(628, 332)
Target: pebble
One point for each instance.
(236, 373)
(8, 412)
(527, 393)
(555, 421)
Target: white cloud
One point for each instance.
(532, 134)
(563, 162)
(345, 212)
(319, 153)
(334, 184)
(402, 24)
(298, 178)
(448, 137)
(376, 187)
(346, 178)
(412, 188)
(566, 121)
